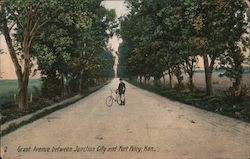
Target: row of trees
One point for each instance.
(67, 39)
(167, 36)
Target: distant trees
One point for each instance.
(168, 36)
(66, 39)
(73, 45)
(124, 50)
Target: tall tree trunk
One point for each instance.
(29, 30)
(22, 78)
(26, 72)
(155, 81)
(63, 86)
(170, 78)
(237, 79)
(81, 84)
(140, 79)
(190, 72)
(236, 83)
(26, 69)
(179, 76)
(208, 75)
(164, 80)
(148, 79)
(22, 93)
(191, 82)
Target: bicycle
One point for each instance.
(110, 99)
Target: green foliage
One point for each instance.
(232, 58)
(71, 49)
(51, 86)
(67, 39)
(28, 17)
(157, 32)
(162, 36)
(123, 50)
(231, 63)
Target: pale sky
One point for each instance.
(121, 10)
(118, 5)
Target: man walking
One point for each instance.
(121, 90)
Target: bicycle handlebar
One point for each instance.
(113, 91)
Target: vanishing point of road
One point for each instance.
(147, 127)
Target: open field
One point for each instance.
(219, 83)
(7, 86)
(8, 89)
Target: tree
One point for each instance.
(123, 50)
(27, 18)
(70, 44)
(137, 30)
(51, 47)
(93, 40)
(232, 59)
(55, 33)
(231, 62)
(212, 28)
(184, 29)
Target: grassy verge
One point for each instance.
(8, 106)
(46, 112)
(236, 108)
(10, 110)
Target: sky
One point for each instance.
(121, 10)
(118, 5)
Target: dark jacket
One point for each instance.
(121, 88)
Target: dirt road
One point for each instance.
(148, 127)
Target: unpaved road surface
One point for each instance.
(168, 130)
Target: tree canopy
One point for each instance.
(162, 37)
(68, 39)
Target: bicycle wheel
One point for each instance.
(109, 101)
(119, 101)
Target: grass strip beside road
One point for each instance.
(235, 108)
(14, 126)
